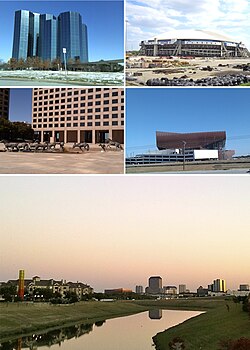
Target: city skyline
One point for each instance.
(104, 19)
(147, 20)
(186, 110)
(111, 232)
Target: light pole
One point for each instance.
(64, 57)
(183, 149)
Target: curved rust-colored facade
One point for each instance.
(195, 140)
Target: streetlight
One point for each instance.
(184, 148)
(65, 64)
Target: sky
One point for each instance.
(20, 108)
(187, 110)
(104, 20)
(146, 19)
(117, 231)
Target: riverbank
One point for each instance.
(19, 319)
(203, 332)
(222, 320)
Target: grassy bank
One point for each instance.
(24, 318)
(206, 331)
(202, 332)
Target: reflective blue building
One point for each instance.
(48, 37)
(72, 36)
(21, 34)
(45, 36)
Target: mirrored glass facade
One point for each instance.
(45, 36)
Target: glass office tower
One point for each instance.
(45, 36)
(71, 34)
(34, 23)
(21, 34)
(48, 37)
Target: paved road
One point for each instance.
(96, 162)
(204, 172)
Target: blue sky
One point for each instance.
(146, 19)
(104, 19)
(186, 110)
(20, 105)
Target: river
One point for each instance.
(133, 332)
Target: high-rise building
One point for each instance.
(182, 288)
(48, 37)
(21, 34)
(219, 285)
(154, 285)
(72, 36)
(4, 103)
(45, 36)
(139, 289)
(78, 115)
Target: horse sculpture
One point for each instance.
(84, 146)
(110, 143)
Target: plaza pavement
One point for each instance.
(96, 162)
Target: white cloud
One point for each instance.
(148, 18)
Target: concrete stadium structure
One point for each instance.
(189, 147)
(194, 43)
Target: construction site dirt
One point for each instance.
(140, 69)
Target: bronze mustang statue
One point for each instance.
(83, 146)
(110, 143)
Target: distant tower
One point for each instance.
(139, 289)
(182, 288)
(4, 103)
(154, 285)
(219, 285)
(21, 284)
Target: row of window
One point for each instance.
(76, 125)
(75, 91)
(89, 117)
(79, 97)
(75, 117)
(90, 110)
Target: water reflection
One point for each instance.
(133, 332)
(155, 314)
(57, 336)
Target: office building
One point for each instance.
(4, 103)
(244, 288)
(117, 291)
(182, 288)
(45, 36)
(48, 37)
(170, 290)
(72, 36)
(154, 285)
(219, 285)
(139, 289)
(78, 115)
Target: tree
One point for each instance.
(8, 291)
(13, 63)
(238, 344)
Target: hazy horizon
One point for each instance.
(117, 231)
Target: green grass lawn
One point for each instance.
(205, 331)
(23, 318)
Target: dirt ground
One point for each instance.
(110, 162)
(191, 68)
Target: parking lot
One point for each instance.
(97, 162)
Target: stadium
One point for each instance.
(193, 43)
(177, 147)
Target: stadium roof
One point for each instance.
(170, 140)
(194, 34)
